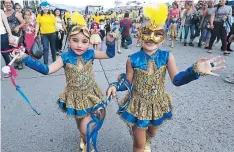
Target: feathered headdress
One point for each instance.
(78, 19)
(156, 15)
(79, 25)
(154, 29)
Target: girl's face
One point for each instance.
(8, 5)
(150, 46)
(57, 12)
(79, 43)
(95, 26)
(18, 9)
(174, 6)
(27, 15)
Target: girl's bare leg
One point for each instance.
(94, 47)
(118, 45)
(150, 133)
(81, 126)
(172, 42)
(97, 47)
(139, 139)
(207, 43)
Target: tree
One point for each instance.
(34, 4)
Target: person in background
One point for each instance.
(90, 21)
(29, 30)
(102, 32)
(230, 38)
(18, 8)
(33, 16)
(16, 22)
(182, 21)
(108, 26)
(5, 33)
(46, 23)
(115, 28)
(218, 17)
(200, 9)
(126, 24)
(205, 24)
(60, 30)
(97, 18)
(173, 30)
(189, 24)
(101, 17)
(174, 12)
(95, 38)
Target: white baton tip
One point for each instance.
(6, 69)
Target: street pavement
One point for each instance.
(203, 110)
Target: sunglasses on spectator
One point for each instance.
(17, 8)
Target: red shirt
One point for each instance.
(174, 12)
(126, 23)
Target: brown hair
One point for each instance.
(27, 10)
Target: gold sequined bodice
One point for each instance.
(149, 84)
(80, 76)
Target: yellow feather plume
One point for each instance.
(157, 15)
(78, 19)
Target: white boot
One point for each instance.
(172, 43)
(82, 144)
(147, 143)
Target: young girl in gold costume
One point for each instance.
(81, 92)
(147, 104)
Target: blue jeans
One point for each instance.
(192, 32)
(5, 46)
(126, 40)
(205, 33)
(49, 39)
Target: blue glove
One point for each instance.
(185, 77)
(36, 65)
(110, 50)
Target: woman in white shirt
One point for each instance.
(5, 32)
(60, 30)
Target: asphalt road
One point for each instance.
(203, 111)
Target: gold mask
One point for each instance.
(154, 31)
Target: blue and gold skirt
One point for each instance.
(143, 113)
(79, 104)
